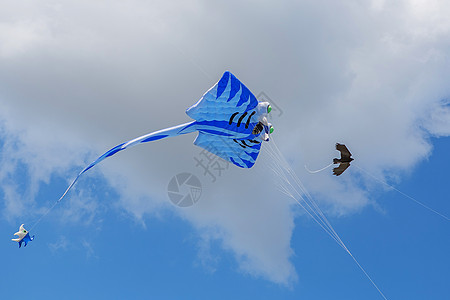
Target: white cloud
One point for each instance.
(89, 249)
(62, 244)
(79, 77)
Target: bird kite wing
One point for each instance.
(345, 153)
(341, 168)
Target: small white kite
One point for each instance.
(23, 236)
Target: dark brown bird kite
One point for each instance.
(344, 161)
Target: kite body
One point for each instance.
(344, 161)
(230, 121)
(23, 236)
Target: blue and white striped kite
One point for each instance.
(230, 121)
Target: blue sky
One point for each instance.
(78, 78)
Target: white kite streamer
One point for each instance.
(317, 171)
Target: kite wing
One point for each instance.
(345, 153)
(227, 97)
(341, 168)
(241, 153)
(26, 239)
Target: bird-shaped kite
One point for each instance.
(344, 161)
(23, 236)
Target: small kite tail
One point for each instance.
(150, 137)
(320, 170)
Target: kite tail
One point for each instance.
(320, 170)
(150, 137)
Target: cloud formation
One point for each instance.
(80, 77)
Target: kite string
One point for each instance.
(306, 206)
(56, 203)
(310, 202)
(316, 213)
(309, 205)
(287, 185)
(402, 193)
(365, 273)
(41, 217)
